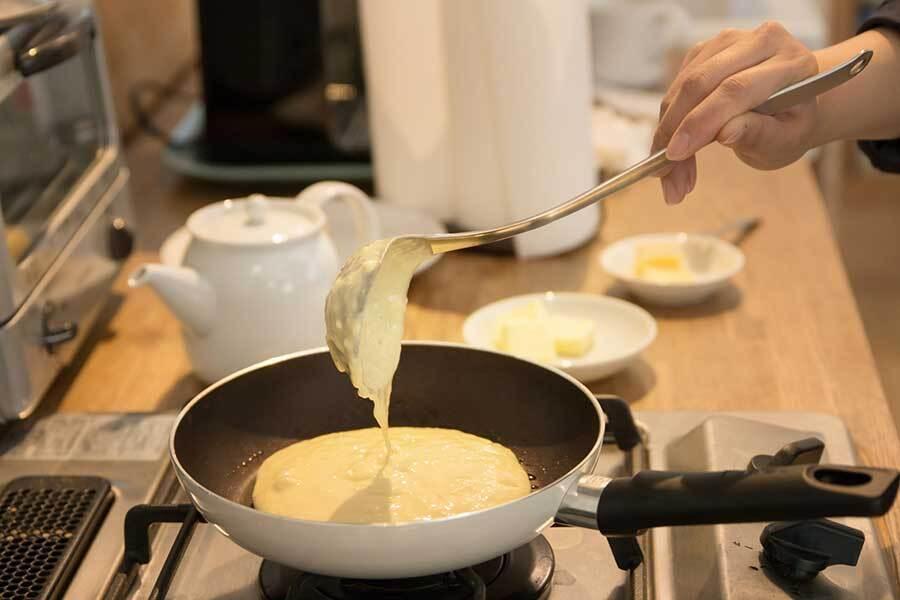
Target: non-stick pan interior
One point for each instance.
(547, 420)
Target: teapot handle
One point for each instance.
(365, 219)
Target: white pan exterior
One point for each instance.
(387, 551)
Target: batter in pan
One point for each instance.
(348, 477)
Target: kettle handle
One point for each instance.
(365, 219)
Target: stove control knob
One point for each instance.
(799, 550)
(807, 451)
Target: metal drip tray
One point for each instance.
(725, 562)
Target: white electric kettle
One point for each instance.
(254, 276)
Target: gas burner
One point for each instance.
(523, 574)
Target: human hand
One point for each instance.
(719, 82)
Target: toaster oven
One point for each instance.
(64, 211)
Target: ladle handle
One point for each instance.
(793, 94)
(811, 87)
(663, 498)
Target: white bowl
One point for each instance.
(621, 329)
(722, 262)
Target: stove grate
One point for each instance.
(46, 524)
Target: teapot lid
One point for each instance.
(256, 220)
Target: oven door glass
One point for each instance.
(53, 129)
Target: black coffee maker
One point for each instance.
(282, 84)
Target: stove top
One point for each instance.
(128, 451)
(187, 558)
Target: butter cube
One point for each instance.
(531, 332)
(661, 263)
(533, 312)
(657, 275)
(572, 337)
(528, 338)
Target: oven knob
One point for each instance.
(121, 240)
(799, 550)
(53, 334)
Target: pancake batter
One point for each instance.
(349, 477)
(364, 315)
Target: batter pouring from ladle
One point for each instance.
(364, 316)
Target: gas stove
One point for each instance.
(91, 504)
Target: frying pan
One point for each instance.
(551, 421)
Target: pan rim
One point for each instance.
(249, 510)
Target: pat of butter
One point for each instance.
(572, 337)
(527, 338)
(661, 263)
(529, 331)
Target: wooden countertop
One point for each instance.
(785, 336)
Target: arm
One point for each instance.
(870, 108)
(722, 79)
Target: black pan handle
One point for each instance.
(661, 498)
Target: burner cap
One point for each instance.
(275, 580)
(523, 574)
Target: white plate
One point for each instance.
(724, 262)
(393, 221)
(621, 330)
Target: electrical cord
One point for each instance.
(145, 99)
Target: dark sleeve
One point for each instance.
(883, 154)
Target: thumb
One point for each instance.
(744, 132)
(767, 142)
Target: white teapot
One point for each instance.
(254, 276)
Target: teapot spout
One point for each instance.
(184, 291)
